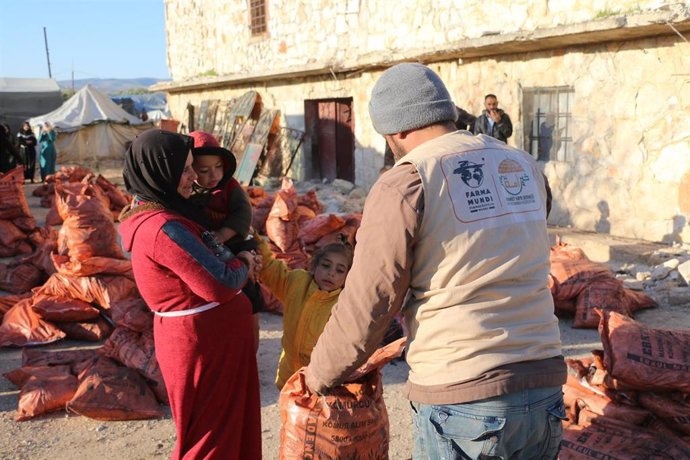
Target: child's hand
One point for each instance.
(253, 262)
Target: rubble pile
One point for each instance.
(631, 399)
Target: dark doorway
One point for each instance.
(330, 133)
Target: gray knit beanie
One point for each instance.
(409, 96)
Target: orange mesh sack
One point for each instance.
(644, 357)
(110, 392)
(351, 421)
(19, 279)
(87, 230)
(13, 202)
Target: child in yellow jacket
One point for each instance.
(308, 297)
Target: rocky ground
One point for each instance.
(661, 271)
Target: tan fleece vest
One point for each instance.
(478, 291)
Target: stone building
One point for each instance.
(598, 90)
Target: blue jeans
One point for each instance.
(521, 425)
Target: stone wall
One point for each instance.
(630, 125)
(212, 37)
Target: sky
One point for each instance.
(93, 38)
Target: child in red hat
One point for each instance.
(227, 205)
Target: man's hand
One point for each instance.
(495, 115)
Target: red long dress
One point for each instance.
(207, 359)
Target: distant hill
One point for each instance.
(110, 86)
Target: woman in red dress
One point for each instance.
(203, 322)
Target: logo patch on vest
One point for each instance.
(491, 184)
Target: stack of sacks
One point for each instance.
(18, 235)
(90, 273)
(261, 202)
(114, 198)
(631, 400)
(82, 382)
(579, 285)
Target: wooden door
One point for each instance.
(330, 133)
(327, 141)
(345, 140)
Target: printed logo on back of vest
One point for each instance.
(492, 185)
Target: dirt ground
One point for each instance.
(65, 436)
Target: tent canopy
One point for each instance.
(87, 107)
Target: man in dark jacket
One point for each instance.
(493, 121)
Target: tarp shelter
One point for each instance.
(23, 98)
(91, 127)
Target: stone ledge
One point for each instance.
(627, 27)
(601, 247)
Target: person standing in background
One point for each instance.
(27, 145)
(8, 159)
(48, 155)
(493, 121)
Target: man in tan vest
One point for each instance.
(460, 223)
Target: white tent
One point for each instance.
(91, 127)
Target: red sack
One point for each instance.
(44, 190)
(88, 229)
(635, 300)
(271, 303)
(644, 357)
(20, 279)
(132, 314)
(320, 226)
(63, 309)
(118, 198)
(107, 391)
(69, 266)
(673, 411)
(350, 422)
(36, 357)
(615, 441)
(10, 234)
(281, 225)
(575, 275)
(303, 215)
(19, 376)
(311, 201)
(72, 174)
(99, 289)
(21, 326)
(25, 224)
(9, 301)
(53, 217)
(89, 331)
(41, 257)
(13, 202)
(40, 395)
(606, 294)
(137, 351)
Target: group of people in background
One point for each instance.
(468, 274)
(22, 150)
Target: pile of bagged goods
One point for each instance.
(76, 283)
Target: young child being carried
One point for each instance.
(308, 297)
(227, 205)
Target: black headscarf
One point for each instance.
(153, 167)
